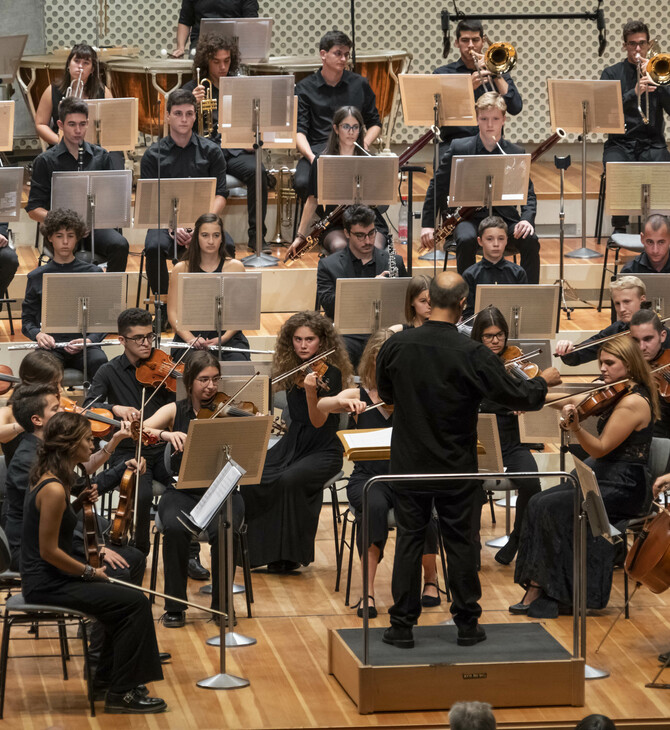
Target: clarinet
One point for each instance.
(80, 158)
(393, 266)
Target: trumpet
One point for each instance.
(76, 90)
(206, 109)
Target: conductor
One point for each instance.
(435, 431)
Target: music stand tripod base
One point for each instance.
(206, 590)
(232, 639)
(258, 261)
(430, 255)
(593, 673)
(583, 253)
(498, 542)
(223, 681)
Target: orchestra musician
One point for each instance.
(417, 303)
(282, 512)
(618, 455)
(9, 261)
(51, 576)
(321, 94)
(193, 11)
(62, 231)
(182, 153)
(490, 108)
(170, 424)
(470, 43)
(207, 256)
(216, 57)
(346, 138)
(640, 142)
(655, 259)
(438, 434)
(491, 329)
(66, 157)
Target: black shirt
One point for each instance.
(486, 272)
(318, 102)
(193, 11)
(200, 158)
(4, 229)
(115, 384)
(641, 265)
(31, 311)
(18, 472)
(659, 100)
(435, 412)
(512, 99)
(216, 138)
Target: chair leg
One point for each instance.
(246, 569)
(352, 546)
(64, 653)
(9, 311)
(491, 507)
(87, 665)
(602, 279)
(4, 655)
(626, 612)
(154, 565)
(340, 553)
(139, 281)
(601, 208)
(334, 503)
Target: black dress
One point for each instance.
(282, 512)
(129, 655)
(545, 551)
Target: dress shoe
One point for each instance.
(372, 610)
(543, 607)
(174, 619)
(470, 635)
(430, 601)
(519, 609)
(196, 571)
(100, 690)
(283, 566)
(164, 656)
(399, 636)
(133, 702)
(506, 554)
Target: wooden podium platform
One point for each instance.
(519, 665)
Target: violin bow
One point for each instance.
(223, 406)
(138, 457)
(587, 343)
(304, 365)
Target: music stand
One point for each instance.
(253, 36)
(484, 181)
(363, 306)
(263, 104)
(437, 100)
(230, 300)
(657, 291)
(11, 188)
(100, 197)
(93, 301)
(11, 52)
(351, 180)
(208, 444)
(584, 107)
(113, 123)
(6, 126)
(594, 505)
(241, 138)
(531, 310)
(637, 188)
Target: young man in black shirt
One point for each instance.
(470, 40)
(435, 431)
(521, 232)
(193, 11)
(9, 261)
(640, 142)
(321, 94)
(64, 157)
(62, 230)
(181, 154)
(655, 259)
(216, 57)
(493, 268)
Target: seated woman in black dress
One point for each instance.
(51, 576)
(491, 329)
(348, 128)
(208, 256)
(618, 456)
(282, 512)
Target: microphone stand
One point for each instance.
(157, 294)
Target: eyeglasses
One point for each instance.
(139, 339)
(350, 127)
(494, 336)
(339, 54)
(635, 44)
(363, 236)
(214, 381)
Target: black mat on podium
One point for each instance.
(520, 642)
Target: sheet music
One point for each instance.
(369, 439)
(203, 513)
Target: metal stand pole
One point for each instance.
(435, 255)
(83, 304)
(410, 170)
(562, 164)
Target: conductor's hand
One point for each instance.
(46, 341)
(523, 229)
(427, 240)
(563, 347)
(552, 376)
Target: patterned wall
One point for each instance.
(560, 49)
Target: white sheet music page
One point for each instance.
(369, 439)
(203, 513)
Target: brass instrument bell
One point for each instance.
(500, 58)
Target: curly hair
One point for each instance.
(208, 46)
(192, 254)
(59, 219)
(94, 87)
(61, 438)
(286, 359)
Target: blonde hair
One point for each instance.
(368, 364)
(629, 282)
(490, 100)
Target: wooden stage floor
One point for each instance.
(287, 668)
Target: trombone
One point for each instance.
(206, 109)
(657, 70)
(499, 59)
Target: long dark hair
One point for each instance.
(489, 317)
(192, 254)
(62, 435)
(40, 366)
(196, 362)
(94, 87)
(416, 285)
(333, 144)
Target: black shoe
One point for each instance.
(543, 607)
(519, 609)
(470, 635)
(197, 571)
(173, 619)
(663, 658)
(100, 690)
(430, 601)
(283, 566)
(506, 554)
(399, 637)
(372, 610)
(164, 656)
(133, 702)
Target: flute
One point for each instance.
(35, 346)
(185, 345)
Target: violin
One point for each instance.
(102, 422)
(598, 401)
(223, 406)
(91, 531)
(159, 368)
(319, 368)
(516, 362)
(123, 517)
(7, 379)
(662, 377)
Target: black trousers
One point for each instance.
(129, 654)
(455, 505)
(177, 541)
(632, 151)
(155, 470)
(519, 458)
(465, 236)
(110, 244)
(243, 167)
(9, 263)
(355, 345)
(302, 172)
(95, 359)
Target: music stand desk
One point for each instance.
(362, 306)
(531, 310)
(351, 180)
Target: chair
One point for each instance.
(8, 578)
(617, 241)
(335, 506)
(4, 295)
(600, 212)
